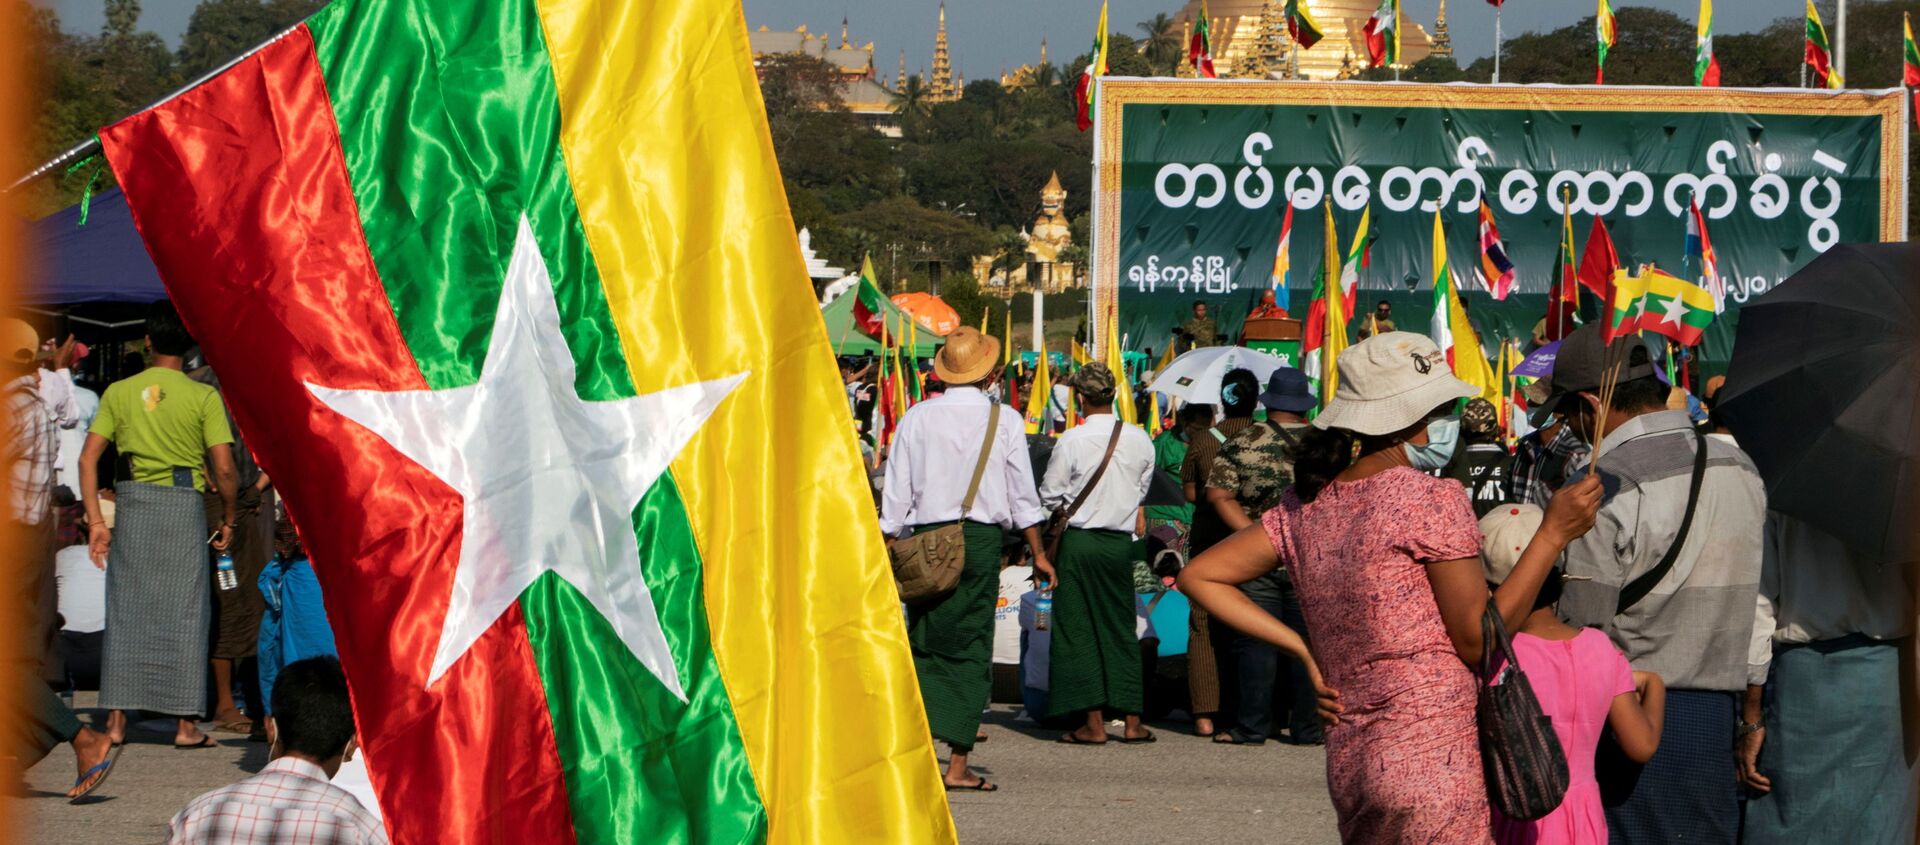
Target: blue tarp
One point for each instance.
(103, 261)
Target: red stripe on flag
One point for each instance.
(240, 190)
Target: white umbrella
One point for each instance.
(1195, 377)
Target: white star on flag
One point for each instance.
(1676, 311)
(548, 480)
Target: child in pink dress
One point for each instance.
(1584, 685)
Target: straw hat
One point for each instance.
(967, 357)
(1390, 381)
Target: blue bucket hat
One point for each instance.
(1288, 390)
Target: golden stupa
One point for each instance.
(1239, 27)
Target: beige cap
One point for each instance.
(19, 343)
(1390, 381)
(1504, 534)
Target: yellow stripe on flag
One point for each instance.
(805, 618)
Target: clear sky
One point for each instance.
(988, 36)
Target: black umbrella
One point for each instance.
(1821, 392)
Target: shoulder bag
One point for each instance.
(1638, 588)
(927, 565)
(1526, 768)
(1057, 523)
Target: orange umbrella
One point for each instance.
(931, 312)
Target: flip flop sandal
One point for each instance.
(99, 773)
(982, 786)
(1228, 738)
(1071, 738)
(1138, 740)
(205, 742)
(235, 726)
(980, 738)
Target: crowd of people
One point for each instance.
(161, 570)
(1714, 672)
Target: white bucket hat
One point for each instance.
(1390, 381)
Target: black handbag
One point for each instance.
(1526, 768)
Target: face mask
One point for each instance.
(1443, 437)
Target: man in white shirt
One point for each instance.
(928, 470)
(1096, 651)
(290, 802)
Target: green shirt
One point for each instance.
(161, 419)
(1169, 451)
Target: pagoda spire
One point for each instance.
(1043, 51)
(1442, 42)
(844, 43)
(941, 89)
(900, 81)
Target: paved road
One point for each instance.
(1179, 789)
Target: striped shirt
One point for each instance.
(1696, 627)
(32, 445)
(289, 802)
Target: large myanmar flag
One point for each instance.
(503, 292)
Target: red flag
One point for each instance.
(1598, 262)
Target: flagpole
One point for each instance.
(1840, 39)
(1496, 43)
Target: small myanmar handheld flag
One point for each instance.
(531, 463)
(1706, 68)
(1282, 257)
(869, 310)
(1820, 52)
(1383, 34)
(1096, 68)
(1701, 258)
(1301, 26)
(1657, 302)
(1495, 271)
(1606, 33)
(1200, 46)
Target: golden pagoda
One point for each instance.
(1050, 234)
(1023, 76)
(1240, 50)
(941, 88)
(1442, 42)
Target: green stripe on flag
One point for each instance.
(450, 127)
(651, 769)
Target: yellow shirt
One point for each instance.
(161, 419)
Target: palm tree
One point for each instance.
(912, 98)
(1161, 46)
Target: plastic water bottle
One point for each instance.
(1043, 610)
(224, 575)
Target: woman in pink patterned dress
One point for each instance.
(1386, 561)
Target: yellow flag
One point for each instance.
(985, 312)
(1117, 362)
(1153, 414)
(1039, 398)
(1080, 356)
(803, 616)
(1335, 340)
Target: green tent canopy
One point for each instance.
(847, 338)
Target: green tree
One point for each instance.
(1160, 42)
(123, 16)
(223, 29)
